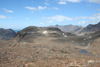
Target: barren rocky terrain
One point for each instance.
(50, 47)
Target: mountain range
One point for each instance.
(79, 30)
(6, 34)
(68, 28)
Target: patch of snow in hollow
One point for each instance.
(90, 61)
(64, 35)
(90, 37)
(84, 39)
(73, 41)
(45, 32)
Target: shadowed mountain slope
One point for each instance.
(6, 34)
(89, 29)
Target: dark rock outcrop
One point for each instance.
(6, 34)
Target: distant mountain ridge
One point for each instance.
(79, 30)
(68, 28)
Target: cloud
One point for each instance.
(74, 1)
(53, 8)
(9, 11)
(65, 1)
(41, 23)
(95, 1)
(58, 18)
(34, 8)
(62, 3)
(2, 17)
(46, 3)
(81, 20)
(94, 17)
(31, 8)
(41, 8)
(61, 18)
(56, 8)
(77, 1)
(49, 21)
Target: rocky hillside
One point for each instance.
(34, 34)
(68, 28)
(30, 33)
(6, 34)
